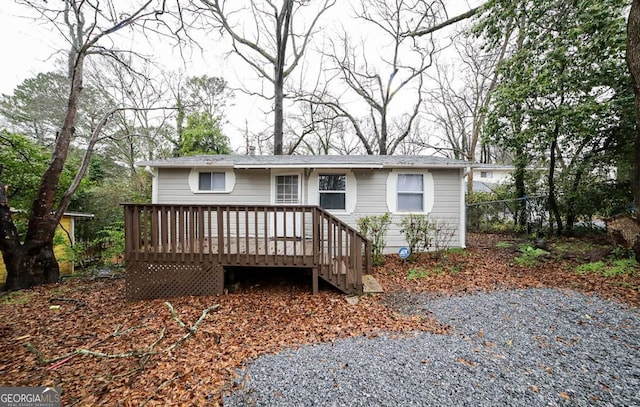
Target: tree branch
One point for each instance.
(463, 16)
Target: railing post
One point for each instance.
(316, 237)
(175, 234)
(220, 228)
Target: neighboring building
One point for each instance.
(488, 176)
(66, 230)
(348, 187)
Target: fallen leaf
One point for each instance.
(465, 362)
(565, 395)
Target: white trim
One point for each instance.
(154, 185)
(229, 180)
(392, 190)
(462, 232)
(351, 191)
(79, 214)
(345, 167)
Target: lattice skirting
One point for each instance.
(151, 280)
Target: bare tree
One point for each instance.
(459, 104)
(320, 131)
(87, 26)
(141, 130)
(271, 39)
(397, 75)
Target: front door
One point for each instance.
(287, 191)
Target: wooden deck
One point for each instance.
(174, 250)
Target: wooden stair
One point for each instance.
(345, 254)
(167, 244)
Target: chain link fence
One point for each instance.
(520, 215)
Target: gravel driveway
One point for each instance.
(533, 347)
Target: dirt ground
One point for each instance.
(83, 336)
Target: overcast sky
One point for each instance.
(30, 48)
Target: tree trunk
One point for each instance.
(27, 265)
(521, 192)
(28, 268)
(520, 164)
(283, 30)
(553, 203)
(278, 132)
(33, 261)
(633, 62)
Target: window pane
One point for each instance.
(218, 183)
(332, 200)
(332, 182)
(410, 202)
(287, 189)
(211, 181)
(410, 182)
(204, 181)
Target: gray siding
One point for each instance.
(372, 200)
(446, 210)
(371, 196)
(253, 187)
(447, 194)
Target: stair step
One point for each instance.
(370, 285)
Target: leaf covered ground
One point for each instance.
(83, 336)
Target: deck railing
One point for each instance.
(241, 235)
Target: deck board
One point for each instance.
(233, 246)
(191, 242)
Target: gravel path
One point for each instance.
(534, 347)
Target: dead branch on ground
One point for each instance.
(143, 355)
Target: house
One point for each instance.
(486, 177)
(65, 236)
(258, 200)
(348, 187)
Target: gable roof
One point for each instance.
(306, 161)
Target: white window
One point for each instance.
(287, 189)
(486, 174)
(205, 181)
(333, 191)
(211, 181)
(410, 193)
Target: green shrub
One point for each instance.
(595, 267)
(375, 228)
(72, 253)
(615, 265)
(529, 256)
(416, 230)
(111, 241)
(618, 267)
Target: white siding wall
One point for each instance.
(254, 187)
(371, 200)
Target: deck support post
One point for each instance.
(314, 280)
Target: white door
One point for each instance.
(286, 190)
